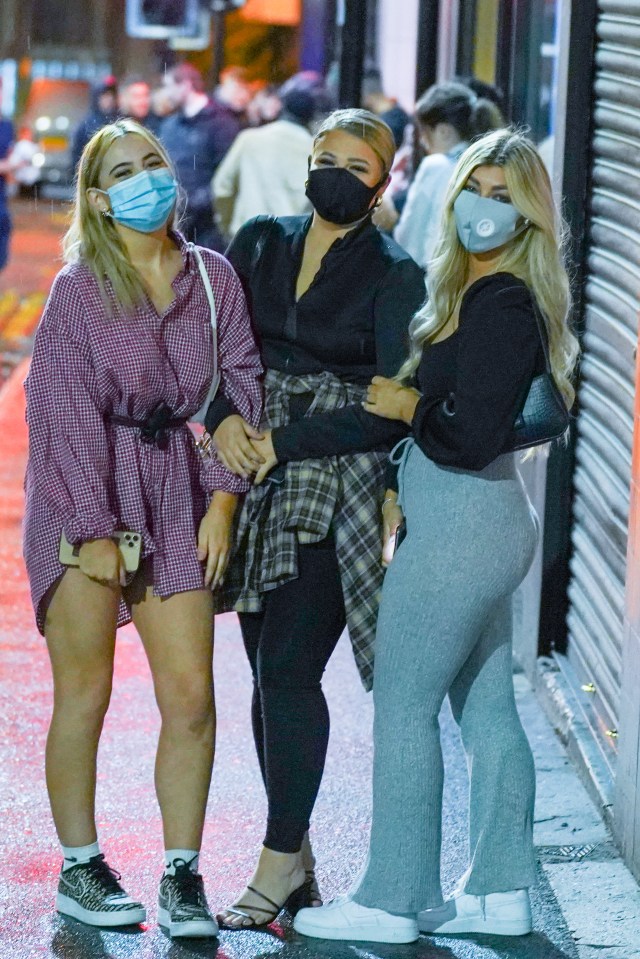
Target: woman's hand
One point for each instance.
(392, 518)
(232, 441)
(269, 459)
(100, 559)
(390, 400)
(214, 537)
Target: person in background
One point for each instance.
(161, 104)
(26, 173)
(449, 116)
(412, 152)
(402, 172)
(103, 110)
(234, 93)
(197, 137)
(265, 106)
(487, 91)
(134, 100)
(7, 165)
(123, 358)
(331, 300)
(265, 169)
(496, 317)
(387, 108)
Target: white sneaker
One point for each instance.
(345, 919)
(496, 914)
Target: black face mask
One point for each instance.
(339, 196)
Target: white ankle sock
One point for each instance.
(77, 854)
(173, 856)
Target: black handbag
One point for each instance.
(544, 416)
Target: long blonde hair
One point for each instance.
(535, 256)
(92, 238)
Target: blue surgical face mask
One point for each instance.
(484, 224)
(143, 202)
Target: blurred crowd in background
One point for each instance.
(242, 149)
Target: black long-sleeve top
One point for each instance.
(352, 322)
(474, 383)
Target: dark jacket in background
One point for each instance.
(152, 122)
(196, 146)
(6, 140)
(396, 119)
(93, 121)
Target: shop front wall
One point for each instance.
(602, 660)
(627, 804)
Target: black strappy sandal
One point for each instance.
(298, 899)
(314, 888)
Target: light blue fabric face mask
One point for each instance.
(484, 224)
(143, 202)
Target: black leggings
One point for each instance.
(288, 645)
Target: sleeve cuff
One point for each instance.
(81, 529)
(391, 476)
(232, 484)
(218, 477)
(280, 446)
(218, 411)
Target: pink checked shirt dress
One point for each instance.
(89, 476)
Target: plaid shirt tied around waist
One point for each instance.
(301, 503)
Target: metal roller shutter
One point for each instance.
(605, 424)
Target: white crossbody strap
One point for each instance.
(215, 379)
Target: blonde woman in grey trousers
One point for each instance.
(497, 308)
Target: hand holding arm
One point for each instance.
(232, 441)
(390, 400)
(265, 449)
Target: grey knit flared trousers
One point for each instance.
(445, 628)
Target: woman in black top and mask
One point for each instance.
(331, 300)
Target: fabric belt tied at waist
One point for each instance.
(154, 429)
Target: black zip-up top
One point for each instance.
(352, 321)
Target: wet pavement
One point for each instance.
(129, 824)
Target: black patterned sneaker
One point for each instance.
(182, 904)
(92, 893)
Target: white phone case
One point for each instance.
(129, 544)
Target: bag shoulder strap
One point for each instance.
(544, 336)
(215, 379)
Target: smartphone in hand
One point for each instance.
(399, 535)
(393, 543)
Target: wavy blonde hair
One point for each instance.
(536, 255)
(92, 239)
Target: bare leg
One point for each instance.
(177, 634)
(80, 629)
